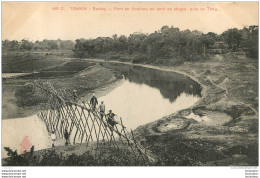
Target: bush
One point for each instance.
(19, 160)
(111, 157)
(140, 59)
(26, 97)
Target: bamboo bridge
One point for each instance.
(84, 124)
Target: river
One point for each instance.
(144, 95)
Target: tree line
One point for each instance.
(26, 45)
(168, 45)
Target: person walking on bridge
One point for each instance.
(74, 95)
(110, 119)
(93, 101)
(102, 109)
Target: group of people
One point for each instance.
(66, 136)
(93, 102)
(110, 116)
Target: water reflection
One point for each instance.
(171, 85)
(144, 96)
(139, 104)
(149, 94)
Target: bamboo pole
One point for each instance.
(93, 123)
(102, 122)
(57, 118)
(81, 119)
(106, 131)
(140, 153)
(42, 113)
(122, 139)
(76, 121)
(65, 116)
(86, 123)
(71, 118)
(81, 130)
(56, 122)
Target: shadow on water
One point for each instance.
(170, 84)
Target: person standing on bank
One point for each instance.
(102, 109)
(66, 136)
(93, 101)
(53, 138)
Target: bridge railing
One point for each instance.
(85, 124)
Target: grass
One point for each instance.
(105, 156)
(76, 74)
(69, 68)
(230, 86)
(26, 62)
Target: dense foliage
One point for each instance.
(168, 45)
(52, 157)
(26, 45)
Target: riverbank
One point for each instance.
(229, 136)
(84, 77)
(221, 128)
(230, 101)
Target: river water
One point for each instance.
(143, 96)
(146, 95)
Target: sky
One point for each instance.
(40, 20)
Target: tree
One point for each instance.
(134, 42)
(207, 40)
(232, 37)
(10, 45)
(67, 45)
(26, 45)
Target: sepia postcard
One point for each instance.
(129, 84)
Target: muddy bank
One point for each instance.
(221, 128)
(19, 102)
